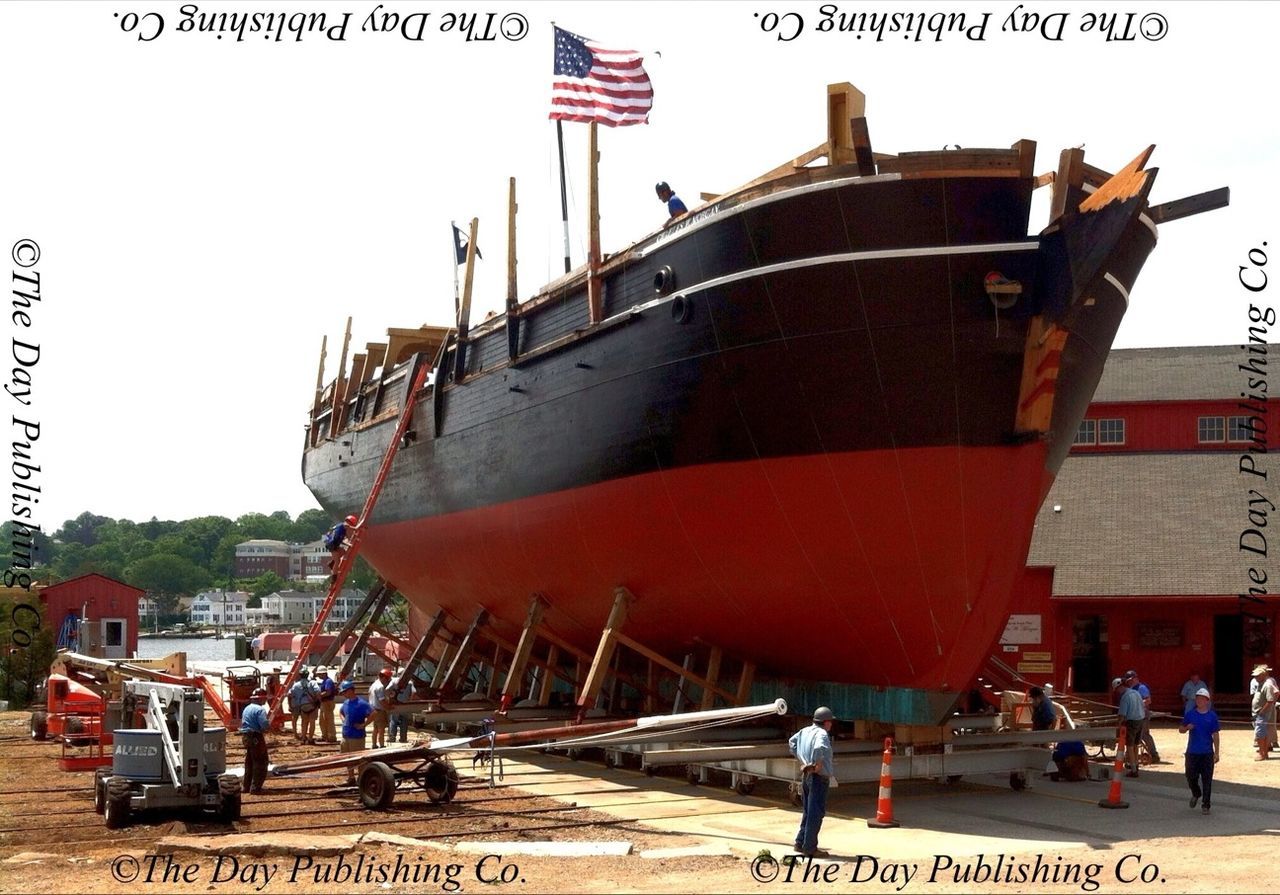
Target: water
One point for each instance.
(196, 648)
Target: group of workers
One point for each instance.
(311, 700)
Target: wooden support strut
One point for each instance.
(340, 387)
(513, 300)
(419, 652)
(356, 618)
(524, 648)
(462, 658)
(595, 286)
(374, 614)
(604, 651)
(464, 312)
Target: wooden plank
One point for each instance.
(377, 353)
(1124, 184)
(420, 651)
(745, 681)
(464, 312)
(1185, 207)
(462, 658)
(844, 103)
(1067, 187)
(713, 677)
(403, 342)
(512, 318)
(524, 648)
(604, 651)
(1026, 150)
(955, 163)
(315, 408)
(549, 671)
(340, 387)
(706, 685)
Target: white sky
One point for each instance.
(209, 209)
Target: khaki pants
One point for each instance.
(326, 722)
(309, 726)
(352, 745)
(379, 728)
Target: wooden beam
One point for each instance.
(861, 147)
(524, 648)
(745, 681)
(1067, 189)
(351, 623)
(464, 312)
(1181, 208)
(420, 651)
(549, 672)
(513, 300)
(442, 666)
(1026, 150)
(315, 408)
(462, 658)
(340, 387)
(713, 677)
(374, 614)
(844, 103)
(604, 651)
(595, 286)
(704, 683)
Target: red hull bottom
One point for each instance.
(889, 568)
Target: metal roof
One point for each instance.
(1147, 524)
(1204, 372)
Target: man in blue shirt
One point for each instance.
(812, 748)
(254, 723)
(1145, 692)
(355, 715)
(305, 702)
(1131, 714)
(675, 207)
(1203, 750)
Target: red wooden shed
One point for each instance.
(94, 614)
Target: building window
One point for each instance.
(1087, 433)
(1110, 431)
(1239, 429)
(1210, 429)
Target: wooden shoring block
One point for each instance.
(745, 680)
(604, 650)
(524, 649)
(462, 658)
(681, 684)
(713, 677)
(374, 614)
(442, 666)
(496, 666)
(419, 652)
(549, 672)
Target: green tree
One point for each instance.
(265, 584)
(166, 577)
(82, 530)
(309, 526)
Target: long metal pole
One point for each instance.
(564, 198)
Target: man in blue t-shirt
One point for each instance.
(1203, 750)
(355, 715)
(255, 721)
(675, 208)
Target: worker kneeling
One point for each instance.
(1072, 765)
(254, 723)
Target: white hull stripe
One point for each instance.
(1124, 293)
(703, 216)
(872, 255)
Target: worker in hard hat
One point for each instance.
(254, 723)
(335, 539)
(327, 692)
(812, 748)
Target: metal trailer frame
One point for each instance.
(1019, 753)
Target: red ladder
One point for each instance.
(354, 535)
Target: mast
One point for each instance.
(564, 201)
(595, 300)
(513, 301)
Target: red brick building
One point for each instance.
(1136, 560)
(94, 614)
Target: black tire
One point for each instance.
(100, 791)
(377, 785)
(1017, 782)
(692, 775)
(39, 726)
(229, 810)
(744, 786)
(440, 781)
(117, 810)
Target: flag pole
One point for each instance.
(564, 200)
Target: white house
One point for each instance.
(291, 607)
(224, 609)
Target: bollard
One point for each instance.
(1113, 798)
(884, 806)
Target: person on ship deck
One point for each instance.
(675, 208)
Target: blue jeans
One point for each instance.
(815, 808)
(400, 725)
(1200, 776)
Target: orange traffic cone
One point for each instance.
(1113, 798)
(884, 807)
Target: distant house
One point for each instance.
(292, 608)
(94, 614)
(220, 608)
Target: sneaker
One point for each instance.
(1204, 809)
(1195, 800)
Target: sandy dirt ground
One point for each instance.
(304, 835)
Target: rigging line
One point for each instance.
(893, 437)
(835, 604)
(955, 391)
(621, 736)
(844, 502)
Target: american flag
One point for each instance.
(592, 83)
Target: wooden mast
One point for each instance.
(315, 407)
(595, 299)
(340, 387)
(513, 302)
(464, 312)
